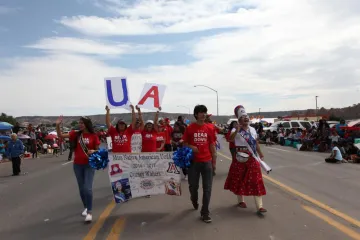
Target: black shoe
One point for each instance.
(206, 218)
(195, 205)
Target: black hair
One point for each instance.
(180, 118)
(199, 109)
(117, 125)
(231, 126)
(89, 126)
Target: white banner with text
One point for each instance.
(135, 175)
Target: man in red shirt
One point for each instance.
(200, 138)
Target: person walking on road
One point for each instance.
(244, 177)
(200, 138)
(14, 151)
(85, 142)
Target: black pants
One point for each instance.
(206, 171)
(332, 160)
(16, 161)
(168, 148)
(70, 154)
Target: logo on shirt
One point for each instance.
(120, 139)
(200, 137)
(86, 140)
(148, 135)
(159, 138)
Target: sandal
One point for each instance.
(262, 210)
(242, 205)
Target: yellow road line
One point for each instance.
(309, 199)
(116, 230)
(351, 233)
(100, 222)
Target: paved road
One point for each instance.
(44, 204)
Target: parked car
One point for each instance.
(289, 125)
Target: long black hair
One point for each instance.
(88, 124)
(118, 123)
(231, 126)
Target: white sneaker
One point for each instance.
(88, 218)
(185, 178)
(84, 213)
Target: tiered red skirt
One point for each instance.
(245, 178)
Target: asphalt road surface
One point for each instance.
(306, 199)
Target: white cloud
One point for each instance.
(7, 10)
(85, 46)
(154, 17)
(288, 52)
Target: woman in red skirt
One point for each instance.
(245, 177)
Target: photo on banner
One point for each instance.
(152, 96)
(134, 175)
(117, 93)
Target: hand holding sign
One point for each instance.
(59, 120)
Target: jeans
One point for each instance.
(206, 171)
(85, 178)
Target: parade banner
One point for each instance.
(116, 92)
(135, 175)
(152, 96)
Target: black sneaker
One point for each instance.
(206, 218)
(195, 205)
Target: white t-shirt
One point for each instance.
(239, 140)
(338, 155)
(334, 138)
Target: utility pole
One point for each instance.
(316, 110)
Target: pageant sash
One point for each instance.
(263, 164)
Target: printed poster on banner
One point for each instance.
(116, 92)
(134, 175)
(136, 143)
(152, 96)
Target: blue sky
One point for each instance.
(273, 55)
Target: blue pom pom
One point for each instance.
(183, 157)
(99, 159)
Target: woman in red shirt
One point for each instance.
(161, 136)
(149, 134)
(121, 134)
(85, 142)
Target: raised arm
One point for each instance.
(233, 133)
(156, 127)
(107, 117)
(141, 119)
(58, 131)
(133, 117)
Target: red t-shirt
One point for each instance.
(168, 131)
(213, 129)
(161, 137)
(149, 141)
(231, 144)
(91, 141)
(200, 136)
(121, 142)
